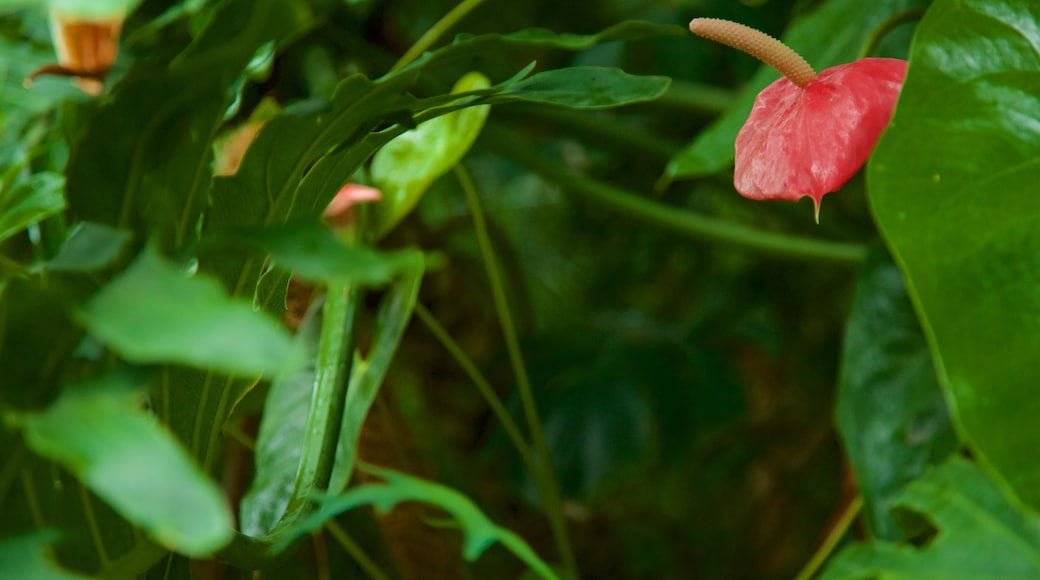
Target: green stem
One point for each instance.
(598, 127)
(833, 537)
(483, 385)
(544, 475)
(335, 347)
(672, 218)
(442, 26)
(355, 551)
(695, 97)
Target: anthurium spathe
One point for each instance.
(807, 133)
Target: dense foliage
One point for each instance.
(559, 345)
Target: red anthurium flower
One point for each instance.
(807, 134)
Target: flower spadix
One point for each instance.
(807, 133)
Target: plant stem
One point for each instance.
(596, 128)
(483, 385)
(354, 551)
(335, 354)
(548, 488)
(695, 97)
(848, 515)
(431, 36)
(672, 218)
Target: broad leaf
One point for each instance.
(100, 432)
(981, 535)
(26, 556)
(155, 313)
(890, 410)
(953, 188)
(480, 532)
(833, 33)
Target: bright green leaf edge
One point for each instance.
(480, 532)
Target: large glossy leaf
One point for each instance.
(155, 313)
(833, 33)
(100, 432)
(953, 188)
(480, 532)
(890, 410)
(981, 535)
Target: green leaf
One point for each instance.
(88, 247)
(100, 433)
(29, 201)
(367, 373)
(890, 411)
(480, 532)
(834, 33)
(584, 87)
(313, 252)
(26, 556)
(981, 535)
(406, 166)
(280, 439)
(962, 220)
(467, 47)
(154, 313)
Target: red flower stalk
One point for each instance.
(807, 134)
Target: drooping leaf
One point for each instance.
(313, 252)
(848, 24)
(480, 532)
(467, 47)
(100, 432)
(89, 246)
(963, 220)
(890, 411)
(26, 556)
(29, 201)
(584, 88)
(367, 373)
(406, 166)
(981, 535)
(155, 313)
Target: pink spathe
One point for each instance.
(809, 141)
